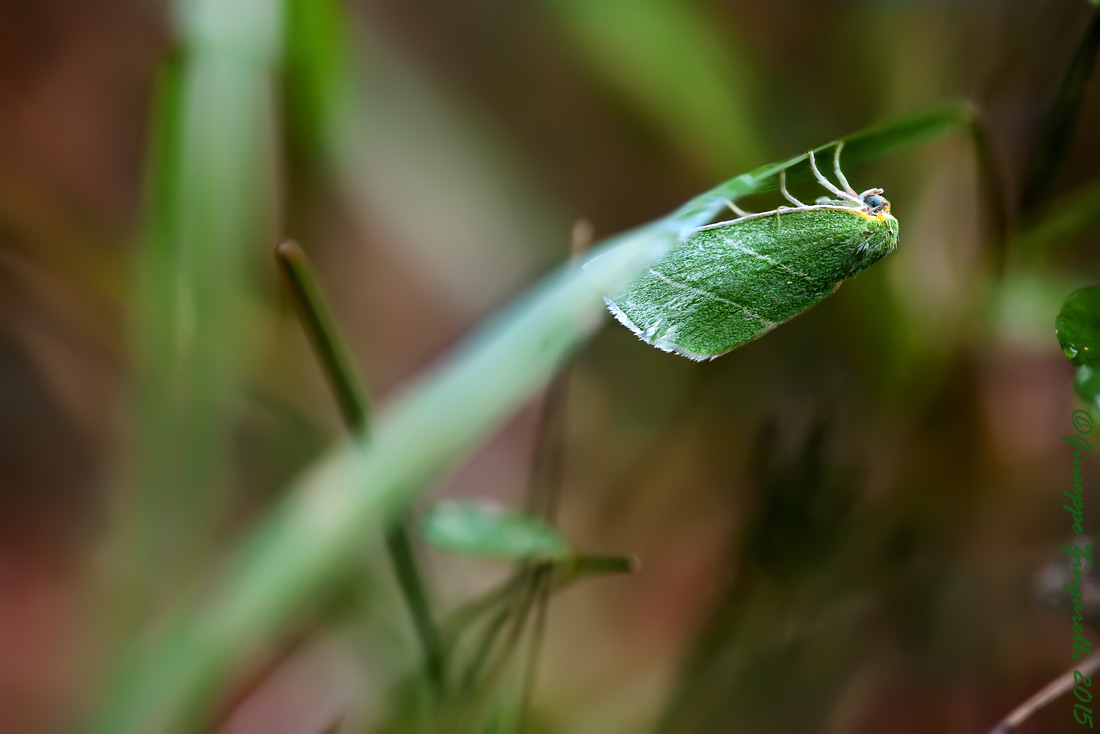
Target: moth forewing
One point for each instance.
(731, 282)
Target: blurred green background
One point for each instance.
(838, 526)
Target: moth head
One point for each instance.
(874, 203)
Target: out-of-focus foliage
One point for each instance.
(291, 559)
(836, 526)
(481, 530)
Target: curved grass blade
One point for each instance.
(866, 145)
(167, 682)
(699, 90)
(734, 281)
(1057, 130)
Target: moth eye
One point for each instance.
(874, 202)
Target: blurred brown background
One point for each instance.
(849, 512)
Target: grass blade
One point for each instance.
(351, 398)
(296, 553)
(1057, 130)
(395, 147)
(699, 90)
(211, 204)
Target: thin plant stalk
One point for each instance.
(500, 639)
(544, 492)
(167, 680)
(1051, 691)
(354, 406)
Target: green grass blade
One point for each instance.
(296, 553)
(320, 87)
(395, 148)
(1057, 130)
(210, 204)
(320, 327)
(670, 62)
(168, 683)
(351, 398)
(874, 142)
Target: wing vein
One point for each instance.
(748, 312)
(765, 258)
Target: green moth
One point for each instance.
(731, 282)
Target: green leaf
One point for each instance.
(1078, 327)
(486, 530)
(1087, 385)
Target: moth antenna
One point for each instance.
(840, 176)
(736, 209)
(783, 190)
(828, 184)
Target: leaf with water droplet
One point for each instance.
(475, 529)
(1078, 327)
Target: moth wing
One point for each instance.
(686, 302)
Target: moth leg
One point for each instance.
(778, 222)
(736, 209)
(786, 194)
(828, 184)
(836, 167)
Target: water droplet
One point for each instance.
(1069, 350)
